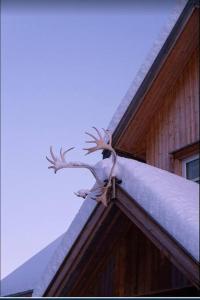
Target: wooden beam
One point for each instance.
(186, 151)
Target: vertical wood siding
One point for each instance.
(133, 267)
(176, 124)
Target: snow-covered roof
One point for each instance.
(26, 276)
(171, 200)
(67, 242)
(145, 67)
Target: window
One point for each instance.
(191, 168)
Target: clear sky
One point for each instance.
(64, 68)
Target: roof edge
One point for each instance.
(151, 66)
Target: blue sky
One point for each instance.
(65, 68)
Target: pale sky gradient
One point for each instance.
(64, 69)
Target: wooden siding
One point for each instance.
(132, 266)
(176, 124)
(122, 251)
(168, 68)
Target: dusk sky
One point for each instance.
(64, 69)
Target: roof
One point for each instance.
(171, 200)
(150, 68)
(173, 203)
(26, 276)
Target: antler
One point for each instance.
(101, 145)
(100, 191)
(60, 163)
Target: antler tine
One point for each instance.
(89, 142)
(90, 150)
(91, 135)
(63, 154)
(99, 141)
(51, 167)
(98, 132)
(51, 161)
(52, 154)
(109, 135)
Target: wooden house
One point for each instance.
(120, 250)
(161, 124)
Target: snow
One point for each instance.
(171, 200)
(26, 276)
(69, 238)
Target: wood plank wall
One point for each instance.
(177, 122)
(133, 267)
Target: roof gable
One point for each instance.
(170, 200)
(101, 234)
(101, 268)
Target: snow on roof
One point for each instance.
(171, 200)
(25, 277)
(145, 67)
(68, 240)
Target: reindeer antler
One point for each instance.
(60, 163)
(57, 163)
(100, 191)
(101, 145)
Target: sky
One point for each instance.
(65, 67)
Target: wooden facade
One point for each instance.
(133, 266)
(163, 116)
(176, 124)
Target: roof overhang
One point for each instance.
(129, 134)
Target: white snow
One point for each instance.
(70, 237)
(171, 200)
(25, 277)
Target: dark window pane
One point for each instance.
(192, 169)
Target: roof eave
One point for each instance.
(155, 68)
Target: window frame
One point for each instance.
(184, 163)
